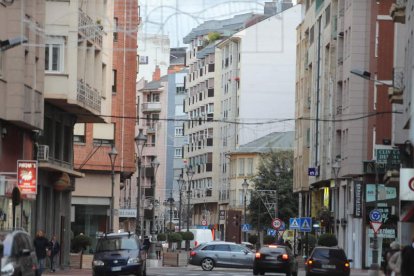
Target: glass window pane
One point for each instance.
(47, 57)
(55, 57)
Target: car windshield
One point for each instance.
(329, 254)
(118, 243)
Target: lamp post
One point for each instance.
(170, 202)
(190, 173)
(336, 167)
(112, 157)
(181, 183)
(154, 164)
(140, 142)
(245, 186)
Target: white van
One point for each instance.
(200, 236)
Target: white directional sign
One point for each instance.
(277, 223)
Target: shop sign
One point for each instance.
(358, 199)
(380, 192)
(387, 155)
(27, 176)
(127, 213)
(387, 233)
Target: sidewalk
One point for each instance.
(87, 271)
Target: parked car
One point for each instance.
(327, 261)
(119, 254)
(18, 256)
(275, 259)
(221, 254)
(249, 246)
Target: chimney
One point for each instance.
(157, 74)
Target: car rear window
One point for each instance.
(217, 247)
(326, 253)
(273, 251)
(118, 243)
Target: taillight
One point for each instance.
(195, 243)
(285, 257)
(347, 265)
(258, 255)
(193, 253)
(309, 262)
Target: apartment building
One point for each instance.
(101, 204)
(344, 68)
(200, 104)
(21, 106)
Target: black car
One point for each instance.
(19, 256)
(119, 254)
(275, 259)
(328, 261)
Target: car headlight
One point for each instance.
(98, 263)
(8, 269)
(133, 261)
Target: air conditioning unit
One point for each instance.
(43, 153)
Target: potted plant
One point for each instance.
(78, 245)
(173, 257)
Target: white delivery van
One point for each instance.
(200, 236)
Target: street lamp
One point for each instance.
(245, 186)
(154, 164)
(190, 173)
(140, 141)
(181, 183)
(170, 202)
(112, 157)
(336, 167)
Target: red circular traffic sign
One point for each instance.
(411, 184)
(277, 223)
(204, 222)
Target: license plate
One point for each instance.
(328, 266)
(270, 258)
(116, 268)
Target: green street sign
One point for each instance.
(387, 156)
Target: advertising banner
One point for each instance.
(27, 176)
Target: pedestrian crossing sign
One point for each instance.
(245, 227)
(305, 224)
(294, 223)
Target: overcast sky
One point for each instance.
(176, 18)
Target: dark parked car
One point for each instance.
(328, 261)
(119, 254)
(221, 254)
(275, 259)
(19, 256)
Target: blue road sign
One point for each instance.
(312, 172)
(375, 215)
(283, 227)
(305, 224)
(294, 223)
(245, 227)
(271, 232)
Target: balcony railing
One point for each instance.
(397, 11)
(89, 29)
(151, 106)
(89, 96)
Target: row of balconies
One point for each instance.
(88, 96)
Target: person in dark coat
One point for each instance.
(54, 248)
(407, 260)
(41, 246)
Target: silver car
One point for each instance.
(221, 254)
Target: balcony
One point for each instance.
(397, 11)
(88, 29)
(396, 91)
(88, 96)
(395, 95)
(151, 107)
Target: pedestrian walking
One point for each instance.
(41, 246)
(158, 249)
(394, 260)
(407, 260)
(54, 248)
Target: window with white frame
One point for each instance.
(179, 131)
(178, 152)
(54, 54)
(241, 167)
(103, 134)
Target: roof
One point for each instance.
(272, 141)
(154, 85)
(225, 27)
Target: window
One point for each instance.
(79, 133)
(1, 63)
(179, 131)
(250, 166)
(103, 134)
(178, 153)
(327, 15)
(54, 54)
(241, 167)
(116, 29)
(114, 76)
